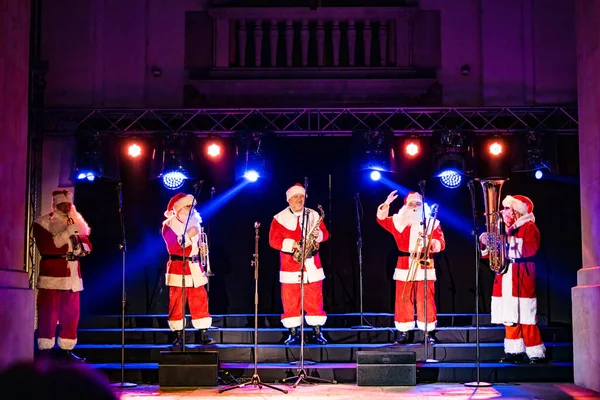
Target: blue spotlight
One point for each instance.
(251, 175)
(375, 175)
(539, 174)
(174, 180)
(89, 175)
(450, 178)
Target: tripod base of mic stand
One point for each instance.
(302, 377)
(306, 362)
(478, 384)
(124, 385)
(256, 382)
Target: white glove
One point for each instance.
(436, 246)
(73, 230)
(391, 197)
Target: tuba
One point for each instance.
(496, 230)
(203, 252)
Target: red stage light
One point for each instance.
(134, 150)
(214, 150)
(412, 149)
(495, 148)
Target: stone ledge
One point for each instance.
(588, 276)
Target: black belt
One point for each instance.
(406, 254)
(68, 257)
(521, 260)
(180, 258)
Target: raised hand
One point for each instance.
(391, 197)
(483, 238)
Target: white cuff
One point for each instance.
(286, 246)
(383, 211)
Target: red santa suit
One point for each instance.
(195, 277)
(286, 228)
(406, 229)
(61, 240)
(514, 301)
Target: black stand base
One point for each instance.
(478, 384)
(302, 377)
(306, 362)
(123, 385)
(254, 381)
(362, 327)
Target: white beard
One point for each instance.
(195, 219)
(58, 222)
(407, 216)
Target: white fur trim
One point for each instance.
(515, 204)
(65, 283)
(522, 220)
(198, 277)
(45, 343)
(404, 326)
(401, 222)
(202, 323)
(430, 325)
(315, 320)
(383, 211)
(402, 274)
(512, 310)
(294, 190)
(536, 351)
(286, 245)
(413, 197)
(289, 220)
(177, 280)
(320, 236)
(86, 248)
(484, 252)
(291, 322)
(515, 247)
(62, 198)
(514, 346)
(175, 325)
(309, 276)
(66, 344)
(60, 239)
(188, 200)
(436, 246)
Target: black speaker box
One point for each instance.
(189, 368)
(381, 368)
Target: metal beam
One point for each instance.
(311, 121)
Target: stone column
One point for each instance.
(586, 295)
(16, 297)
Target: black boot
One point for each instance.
(68, 355)
(178, 342)
(73, 357)
(293, 338)
(403, 338)
(43, 354)
(204, 338)
(317, 336)
(512, 358)
(432, 338)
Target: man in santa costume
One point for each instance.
(62, 239)
(514, 301)
(179, 208)
(406, 227)
(285, 235)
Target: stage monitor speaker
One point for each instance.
(382, 368)
(189, 368)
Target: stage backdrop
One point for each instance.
(334, 182)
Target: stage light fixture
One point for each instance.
(452, 151)
(92, 158)
(539, 174)
(172, 159)
(374, 150)
(134, 150)
(412, 148)
(375, 175)
(213, 150)
(534, 151)
(250, 155)
(495, 149)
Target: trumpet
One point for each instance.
(419, 256)
(76, 242)
(204, 252)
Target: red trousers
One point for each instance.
(313, 304)
(197, 300)
(404, 316)
(524, 338)
(56, 306)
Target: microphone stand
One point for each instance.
(123, 247)
(255, 380)
(197, 191)
(478, 383)
(302, 376)
(360, 265)
(425, 273)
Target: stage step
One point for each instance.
(346, 372)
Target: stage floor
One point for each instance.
(348, 392)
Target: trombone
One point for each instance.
(418, 257)
(203, 252)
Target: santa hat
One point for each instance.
(294, 190)
(62, 196)
(413, 196)
(521, 204)
(177, 202)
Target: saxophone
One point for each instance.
(311, 245)
(497, 243)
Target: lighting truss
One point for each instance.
(312, 121)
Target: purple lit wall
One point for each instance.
(16, 300)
